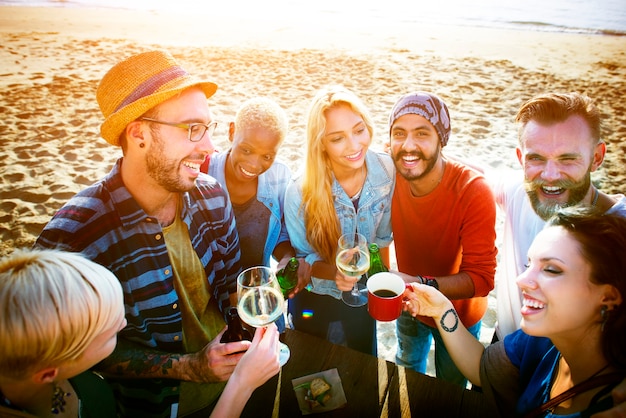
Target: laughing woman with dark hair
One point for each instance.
(571, 349)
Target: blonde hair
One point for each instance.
(53, 304)
(320, 218)
(262, 112)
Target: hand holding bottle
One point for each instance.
(235, 331)
(288, 276)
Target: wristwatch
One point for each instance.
(429, 281)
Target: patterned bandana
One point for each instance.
(427, 105)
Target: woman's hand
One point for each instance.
(256, 367)
(304, 276)
(425, 300)
(260, 362)
(343, 282)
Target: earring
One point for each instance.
(141, 145)
(604, 315)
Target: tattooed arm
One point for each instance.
(464, 349)
(214, 363)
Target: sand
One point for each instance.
(51, 60)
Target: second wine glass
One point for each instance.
(261, 301)
(353, 259)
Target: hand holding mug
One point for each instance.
(423, 300)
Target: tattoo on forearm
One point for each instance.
(128, 359)
(454, 326)
(149, 363)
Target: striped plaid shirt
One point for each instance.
(105, 223)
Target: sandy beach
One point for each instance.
(51, 60)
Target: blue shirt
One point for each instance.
(537, 359)
(105, 223)
(270, 192)
(372, 218)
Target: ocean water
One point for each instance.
(580, 16)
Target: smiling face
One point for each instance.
(415, 146)
(253, 152)
(346, 138)
(172, 161)
(558, 160)
(559, 298)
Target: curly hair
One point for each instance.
(262, 112)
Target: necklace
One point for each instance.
(57, 404)
(58, 400)
(356, 196)
(558, 375)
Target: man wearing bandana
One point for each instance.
(443, 220)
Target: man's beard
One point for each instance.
(545, 210)
(163, 170)
(430, 163)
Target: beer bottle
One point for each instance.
(236, 330)
(288, 276)
(376, 263)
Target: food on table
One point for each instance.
(318, 392)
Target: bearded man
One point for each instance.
(443, 219)
(167, 231)
(559, 147)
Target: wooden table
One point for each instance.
(373, 387)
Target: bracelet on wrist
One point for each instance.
(429, 281)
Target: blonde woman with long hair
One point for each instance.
(344, 188)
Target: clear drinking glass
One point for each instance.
(261, 301)
(353, 259)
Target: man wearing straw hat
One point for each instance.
(166, 231)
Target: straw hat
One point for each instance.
(136, 85)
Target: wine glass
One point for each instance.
(261, 301)
(353, 259)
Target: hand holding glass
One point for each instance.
(353, 259)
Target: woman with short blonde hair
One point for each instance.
(60, 316)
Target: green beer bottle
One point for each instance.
(288, 276)
(376, 263)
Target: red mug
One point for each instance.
(384, 296)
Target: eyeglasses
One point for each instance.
(195, 131)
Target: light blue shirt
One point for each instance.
(270, 192)
(372, 219)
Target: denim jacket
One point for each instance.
(270, 192)
(373, 218)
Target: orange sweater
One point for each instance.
(450, 230)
